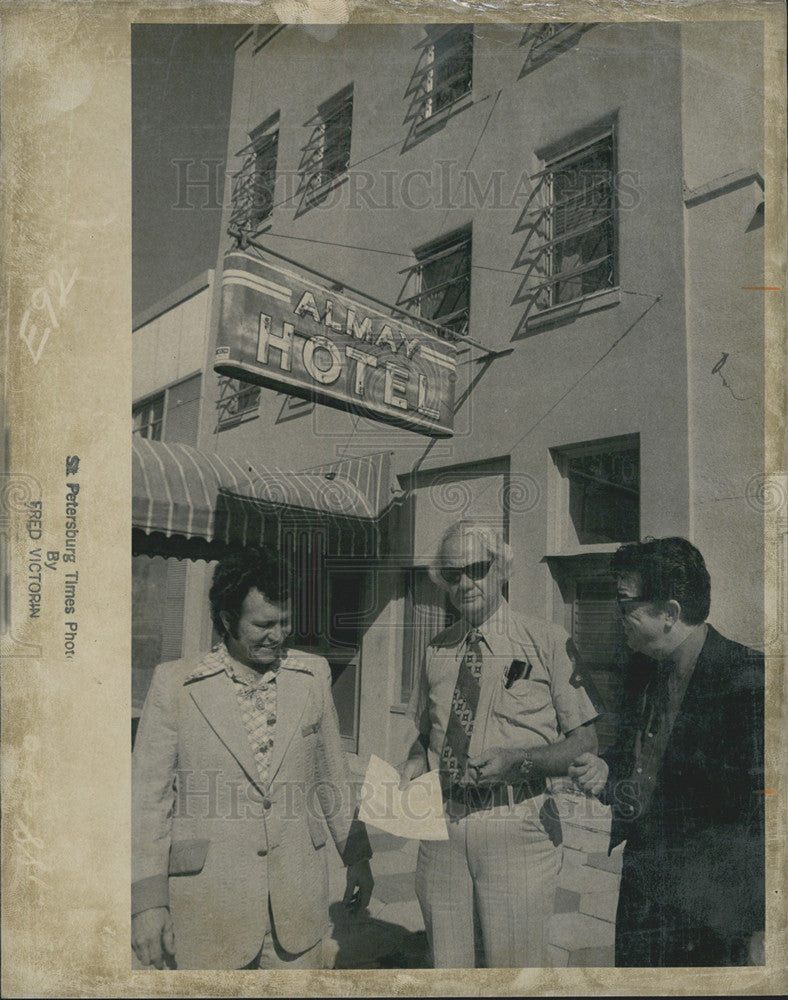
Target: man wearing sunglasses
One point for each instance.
(685, 775)
(498, 710)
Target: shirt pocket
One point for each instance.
(525, 686)
(524, 698)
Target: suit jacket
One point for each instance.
(699, 842)
(211, 842)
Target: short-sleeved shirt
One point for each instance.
(544, 702)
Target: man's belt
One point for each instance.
(477, 798)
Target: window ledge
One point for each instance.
(319, 195)
(592, 549)
(240, 418)
(566, 312)
(398, 709)
(441, 117)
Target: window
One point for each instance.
(577, 224)
(171, 415)
(327, 154)
(446, 71)
(547, 40)
(442, 279)
(601, 483)
(254, 184)
(148, 418)
(183, 410)
(264, 177)
(237, 401)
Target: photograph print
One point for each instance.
(448, 457)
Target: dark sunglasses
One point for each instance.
(474, 571)
(628, 604)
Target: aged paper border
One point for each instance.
(66, 200)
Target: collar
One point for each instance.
(241, 674)
(211, 663)
(495, 632)
(219, 660)
(684, 657)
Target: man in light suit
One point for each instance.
(238, 772)
(685, 776)
(498, 709)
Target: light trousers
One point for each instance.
(487, 894)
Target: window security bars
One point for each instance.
(441, 278)
(444, 73)
(253, 186)
(237, 401)
(545, 41)
(573, 225)
(326, 155)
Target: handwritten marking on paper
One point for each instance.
(41, 301)
(29, 846)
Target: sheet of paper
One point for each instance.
(415, 812)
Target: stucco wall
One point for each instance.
(722, 78)
(171, 345)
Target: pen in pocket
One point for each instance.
(516, 670)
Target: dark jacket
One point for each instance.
(699, 842)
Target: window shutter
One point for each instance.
(172, 612)
(183, 411)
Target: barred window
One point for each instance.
(237, 401)
(327, 154)
(441, 278)
(264, 177)
(577, 255)
(447, 70)
(255, 182)
(546, 40)
(601, 491)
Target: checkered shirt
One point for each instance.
(257, 703)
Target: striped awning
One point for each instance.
(180, 493)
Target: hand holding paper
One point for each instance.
(415, 811)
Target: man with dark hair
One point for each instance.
(237, 768)
(685, 775)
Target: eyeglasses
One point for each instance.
(474, 571)
(626, 605)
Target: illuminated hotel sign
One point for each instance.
(282, 331)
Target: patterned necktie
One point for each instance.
(465, 700)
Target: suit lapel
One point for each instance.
(292, 691)
(215, 698)
(694, 705)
